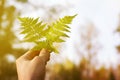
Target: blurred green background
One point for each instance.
(91, 53)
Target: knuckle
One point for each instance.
(18, 61)
(36, 58)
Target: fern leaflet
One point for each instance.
(45, 35)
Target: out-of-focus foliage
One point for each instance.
(45, 35)
(23, 1)
(118, 31)
(118, 49)
(88, 40)
(64, 71)
(87, 48)
(118, 27)
(7, 37)
(7, 40)
(7, 70)
(69, 71)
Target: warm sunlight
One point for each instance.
(92, 52)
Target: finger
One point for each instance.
(30, 54)
(45, 54)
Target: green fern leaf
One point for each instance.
(45, 35)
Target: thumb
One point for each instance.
(45, 54)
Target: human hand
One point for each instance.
(32, 65)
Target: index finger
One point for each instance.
(30, 54)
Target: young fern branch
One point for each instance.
(45, 35)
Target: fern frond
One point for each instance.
(45, 35)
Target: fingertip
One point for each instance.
(45, 54)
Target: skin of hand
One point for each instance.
(32, 65)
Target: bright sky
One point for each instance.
(103, 13)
